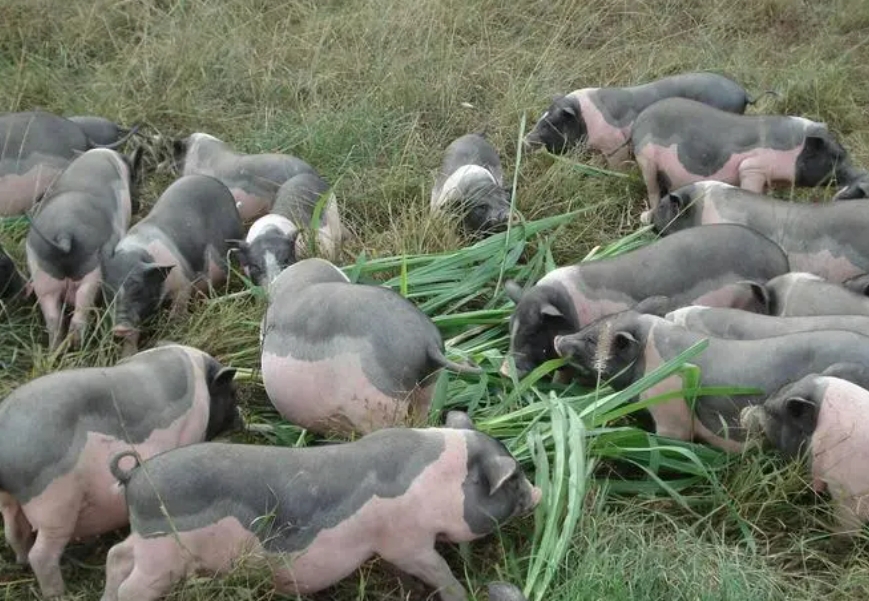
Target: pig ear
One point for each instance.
(858, 284)
(803, 412)
(624, 340)
(654, 305)
(550, 310)
(240, 246)
(675, 201)
(513, 291)
(498, 470)
(158, 271)
(459, 420)
(816, 143)
(760, 294)
(223, 377)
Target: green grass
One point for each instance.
(370, 92)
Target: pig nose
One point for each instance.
(646, 218)
(123, 331)
(558, 343)
(505, 368)
(536, 496)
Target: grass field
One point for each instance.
(370, 92)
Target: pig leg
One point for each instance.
(144, 587)
(425, 563)
(752, 177)
(650, 177)
(180, 300)
(119, 566)
(45, 555)
(85, 299)
(19, 532)
(51, 306)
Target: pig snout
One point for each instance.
(646, 217)
(536, 497)
(563, 345)
(123, 331)
(532, 142)
(752, 419)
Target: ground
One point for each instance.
(370, 92)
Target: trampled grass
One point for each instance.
(370, 92)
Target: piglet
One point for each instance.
(103, 131)
(392, 493)
(602, 118)
(275, 241)
(341, 358)
(678, 141)
(713, 265)
(471, 183)
(86, 212)
(826, 418)
(179, 248)
(253, 179)
(58, 433)
(35, 148)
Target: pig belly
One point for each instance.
(601, 136)
(19, 192)
(330, 393)
(771, 165)
(252, 206)
(211, 550)
(101, 502)
(840, 447)
(826, 265)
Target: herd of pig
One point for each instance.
(778, 288)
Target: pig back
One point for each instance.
(302, 491)
(44, 424)
(687, 264)
(298, 196)
(196, 212)
(391, 337)
(24, 134)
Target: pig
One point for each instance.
(58, 433)
(504, 591)
(802, 294)
(824, 239)
(342, 358)
(677, 142)
(825, 418)
(35, 148)
(392, 493)
(602, 118)
(623, 348)
(253, 179)
(180, 247)
(11, 282)
(85, 213)
(743, 325)
(858, 188)
(716, 266)
(103, 131)
(273, 242)
(471, 182)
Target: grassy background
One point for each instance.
(370, 92)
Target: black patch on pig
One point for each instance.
(484, 510)
(819, 158)
(298, 197)
(44, 423)
(286, 496)
(11, 282)
(533, 325)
